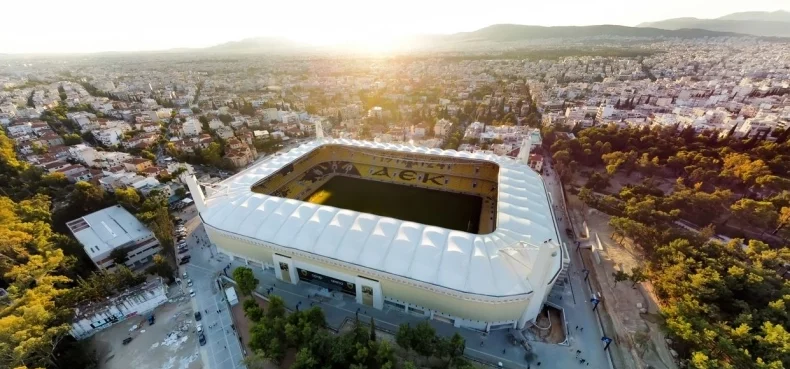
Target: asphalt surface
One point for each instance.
(223, 349)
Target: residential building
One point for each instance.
(94, 316)
(192, 127)
(114, 228)
(442, 127)
(137, 164)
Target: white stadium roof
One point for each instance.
(495, 264)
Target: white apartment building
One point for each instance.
(418, 130)
(224, 132)
(289, 117)
(109, 136)
(164, 113)
(757, 126)
(215, 123)
(474, 130)
(84, 154)
(109, 159)
(442, 127)
(192, 127)
(108, 229)
(605, 112)
(270, 114)
(93, 317)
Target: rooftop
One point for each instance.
(107, 229)
(498, 264)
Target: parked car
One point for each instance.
(127, 340)
(191, 292)
(182, 250)
(151, 319)
(184, 260)
(198, 316)
(189, 283)
(202, 339)
(200, 328)
(569, 232)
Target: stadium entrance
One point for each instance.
(332, 284)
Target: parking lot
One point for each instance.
(170, 343)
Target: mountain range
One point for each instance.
(497, 34)
(772, 24)
(506, 37)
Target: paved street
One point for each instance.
(576, 296)
(222, 349)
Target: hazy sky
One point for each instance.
(101, 25)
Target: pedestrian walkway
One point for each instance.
(480, 346)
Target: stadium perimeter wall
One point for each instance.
(417, 296)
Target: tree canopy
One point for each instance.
(245, 280)
(724, 302)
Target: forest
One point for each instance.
(44, 269)
(276, 331)
(724, 288)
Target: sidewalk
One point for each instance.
(487, 348)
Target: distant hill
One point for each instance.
(777, 16)
(517, 32)
(772, 24)
(485, 37)
(257, 44)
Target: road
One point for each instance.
(575, 299)
(223, 349)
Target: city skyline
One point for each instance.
(87, 26)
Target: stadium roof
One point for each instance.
(496, 264)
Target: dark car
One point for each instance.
(184, 260)
(198, 316)
(202, 339)
(181, 251)
(569, 232)
(127, 340)
(151, 320)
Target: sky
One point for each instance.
(83, 26)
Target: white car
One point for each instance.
(189, 283)
(200, 328)
(191, 292)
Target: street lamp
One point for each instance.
(607, 341)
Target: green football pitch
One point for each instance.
(444, 209)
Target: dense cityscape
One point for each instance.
(660, 168)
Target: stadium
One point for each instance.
(468, 239)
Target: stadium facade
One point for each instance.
(498, 277)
